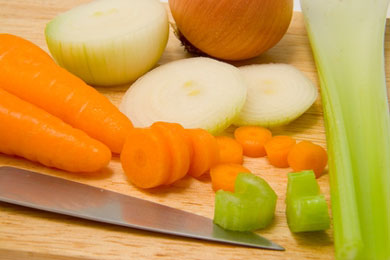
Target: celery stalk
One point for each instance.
(347, 39)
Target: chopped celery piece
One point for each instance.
(301, 184)
(306, 207)
(253, 186)
(235, 212)
(347, 39)
(251, 207)
(308, 213)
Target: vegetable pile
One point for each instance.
(166, 152)
(181, 110)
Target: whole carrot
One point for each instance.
(29, 73)
(32, 133)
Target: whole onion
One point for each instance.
(232, 29)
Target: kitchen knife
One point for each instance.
(44, 192)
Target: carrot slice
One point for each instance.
(205, 151)
(145, 158)
(179, 148)
(252, 139)
(28, 72)
(308, 156)
(278, 148)
(230, 151)
(32, 133)
(223, 176)
(182, 131)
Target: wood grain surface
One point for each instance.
(32, 234)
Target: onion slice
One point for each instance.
(196, 93)
(109, 42)
(277, 95)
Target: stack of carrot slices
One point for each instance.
(165, 152)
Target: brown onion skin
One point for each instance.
(232, 29)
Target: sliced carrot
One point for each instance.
(182, 131)
(32, 133)
(278, 148)
(308, 156)
(145, 158)
(29, 73)
(179, 148)
(223, 176)
(252, 139)
(205, 151)
(230, 151)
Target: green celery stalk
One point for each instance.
(347, 38)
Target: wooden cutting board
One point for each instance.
(32, 234)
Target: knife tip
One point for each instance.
(277, 247)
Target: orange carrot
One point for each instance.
(223, 176)
(277, 149)
(183, 133)
(179, 148)
(230, 151)
(28, 72)
(205, 151)
(32, 133)
(308, 156)
(252, 139)
(145, 158)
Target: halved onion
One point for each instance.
(277, 94)
(196, 93)
(109, 42)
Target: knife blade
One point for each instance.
(58, 195)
